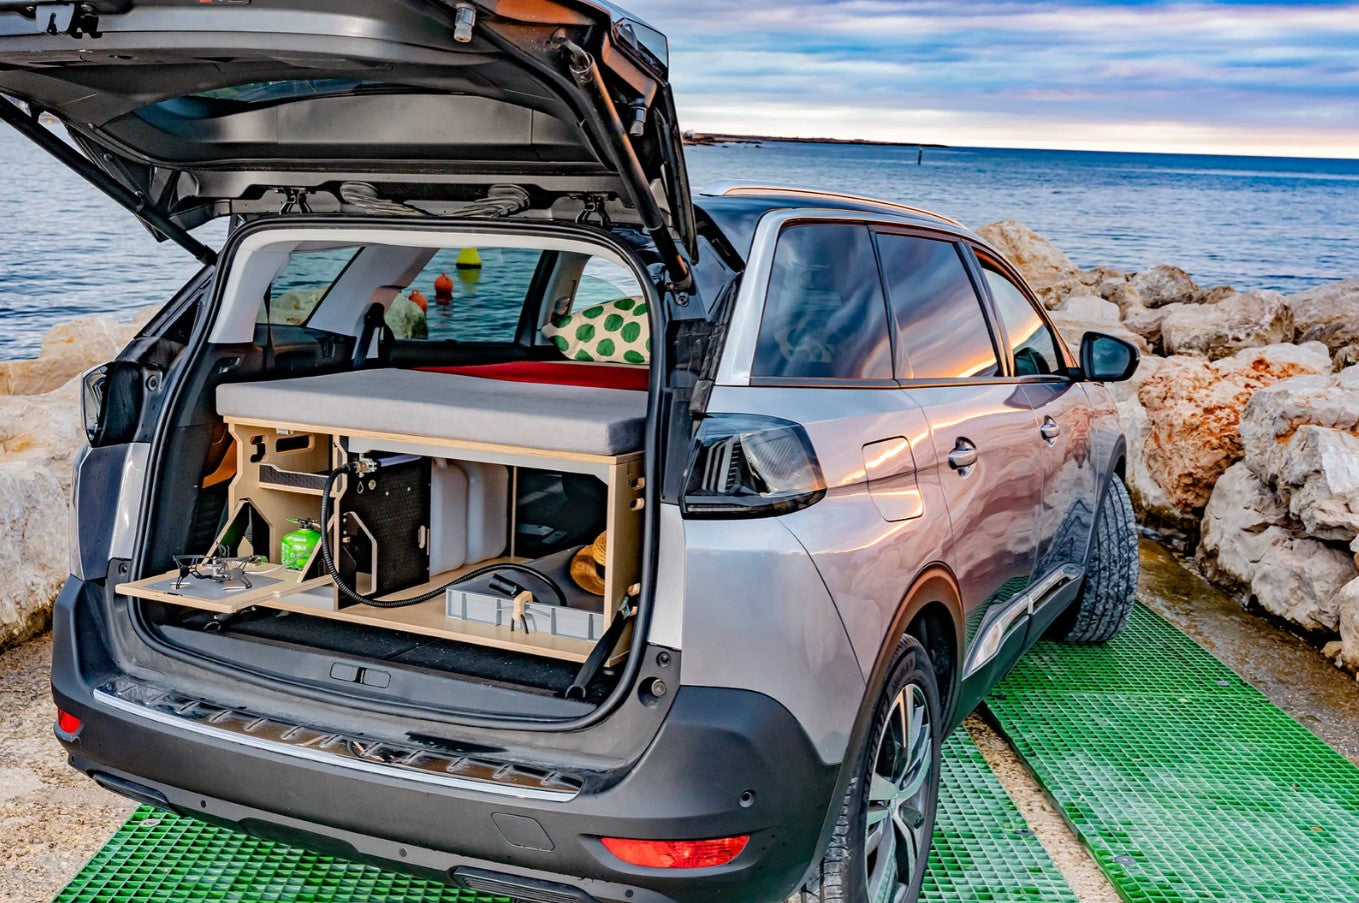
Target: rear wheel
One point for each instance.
(1101, 611)
(882, 837)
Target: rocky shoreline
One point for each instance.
(40, 433)
(1242, 425)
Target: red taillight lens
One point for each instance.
(677, 854)
(67, 723)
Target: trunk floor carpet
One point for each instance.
(983, 851)
(1185, 782)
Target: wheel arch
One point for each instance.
(931, 611)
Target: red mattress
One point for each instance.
(566, 373)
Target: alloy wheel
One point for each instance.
(897, 798)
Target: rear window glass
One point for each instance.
(824, 316)
(290, 89)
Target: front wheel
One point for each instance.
(881, 844)
(1106, 601)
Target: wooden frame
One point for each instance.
(277, 466)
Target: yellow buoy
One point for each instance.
(468, 259)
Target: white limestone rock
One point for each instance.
(1215, 331)
(1164, 284)
(43, 430)
(1151, 502)
(1250, 548)
(1301, 437)
(1035, 256)
(33, 557)
(1328, 313)
(1089, 307)
(68, 349)
(1347, 600)
(1194, 410)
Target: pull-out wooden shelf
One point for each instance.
(279, 474)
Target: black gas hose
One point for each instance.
(328, 558)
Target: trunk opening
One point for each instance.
(507, 440)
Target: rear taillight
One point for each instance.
(747, 465)
(677, 854)
(67, 723)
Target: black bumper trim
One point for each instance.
(230, 725)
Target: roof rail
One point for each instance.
(728, 189)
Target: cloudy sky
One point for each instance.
(1227, 77)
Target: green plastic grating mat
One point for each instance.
(983, 849)
(983, 852)
(1187, 784)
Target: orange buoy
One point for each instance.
(420, 300)
(443, 290)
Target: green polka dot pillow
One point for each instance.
(615, 332)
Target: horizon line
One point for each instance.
(718, 137)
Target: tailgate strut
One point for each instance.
(35, 131)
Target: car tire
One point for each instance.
(886, 818)
(1106, 600)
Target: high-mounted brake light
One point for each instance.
(677, 854)
(68, 723)
(748, 465)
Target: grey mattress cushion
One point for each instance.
(449, 406)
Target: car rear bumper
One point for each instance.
(725, 762)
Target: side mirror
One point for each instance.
(1108, 359)
(111, 400)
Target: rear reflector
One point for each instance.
(67, 723)
(677, 854)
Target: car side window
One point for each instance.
(942, 332)
(824, 315)
(1031, 341)
(300, 286)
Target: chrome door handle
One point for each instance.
(1050, 429)
(963, 456)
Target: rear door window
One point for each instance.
(824, 315)
(942, 332)
(1031, 342)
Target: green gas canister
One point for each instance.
(296, 547)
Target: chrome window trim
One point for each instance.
(999, 623)
(222, 723)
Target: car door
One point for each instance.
(981, 430)
(810, 342)
(1062, 439)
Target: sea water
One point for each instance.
(1285, 224)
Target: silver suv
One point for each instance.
(490, 507)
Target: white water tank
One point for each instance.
(468, 513)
